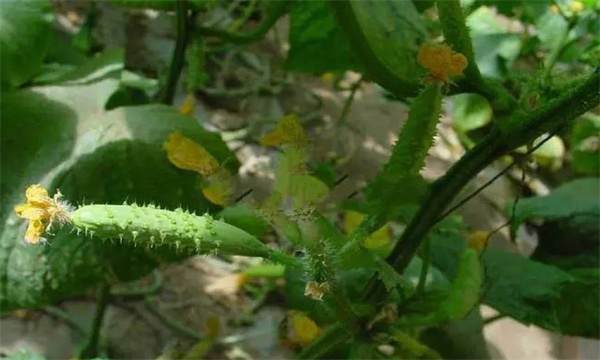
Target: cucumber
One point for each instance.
(150, 226)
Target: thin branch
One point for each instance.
(279, 8)
(348, 103)
(90, 350)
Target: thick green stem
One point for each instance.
(90, 350)
(519, 131)
(178, 58)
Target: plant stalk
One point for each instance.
(519, 131)
(90, 349)
(178, 57)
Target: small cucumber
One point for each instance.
(149, 226)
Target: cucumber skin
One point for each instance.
(150, 226)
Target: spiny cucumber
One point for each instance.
(150, 226)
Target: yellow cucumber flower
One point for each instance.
(287, 131)
(441, 62)
(42, 211)
(186, 154)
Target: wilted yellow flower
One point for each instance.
(42, 211)
(288, 131)
(187, 108)
(576, 6)
(315, 290)
(441, 61)
(302, 330)
(478, 240)
(186, 154)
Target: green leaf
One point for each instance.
(114, 156)
(551, 30)
(495, 48)
(585, 145)
(24, 39)
(97, 68)
(577, 197)
(316, 43)
(25, 355)
(471, 111)
(544, 295)
(385, 36)
(577, 309)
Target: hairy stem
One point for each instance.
(522, 130)
(457, 35)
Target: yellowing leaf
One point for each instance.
(307, 190)
(293, 180)
(287, 131)
(187, 108)
(218, 190)
(186, 154)
(378, 239)
(302, 330)
(441, 61)
(478, 241)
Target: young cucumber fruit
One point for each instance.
(149, 226)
